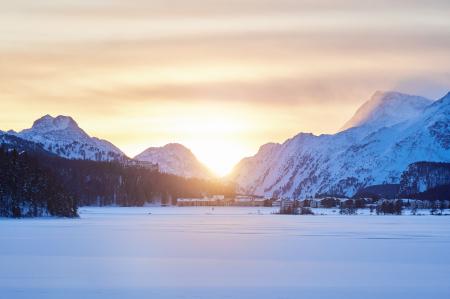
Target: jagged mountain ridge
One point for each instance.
(62, 136)
(175, 158)
(341, 164)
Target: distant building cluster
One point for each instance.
(220, 200)
(349, 206)
(346, 206)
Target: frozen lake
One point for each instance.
(224, 253)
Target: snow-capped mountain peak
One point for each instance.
(48, 123)
(59, 128)
(386, 108)
(61, 135)
(388, 133)
(175, 158)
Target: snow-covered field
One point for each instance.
(224, 253)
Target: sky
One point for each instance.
(221, 77)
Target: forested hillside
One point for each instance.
(27, 189)
(112, 183)
(426, 180)
(38, 183)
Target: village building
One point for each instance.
(215, 200)
(250, 201)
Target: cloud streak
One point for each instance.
(284, 65)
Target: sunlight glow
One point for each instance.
(219, 77)
(219, 155)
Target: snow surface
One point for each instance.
(223, 253)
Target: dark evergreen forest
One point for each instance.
(29, 190)
(33, 183)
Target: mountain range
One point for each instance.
(385, 136)
(388, 133)
(62, 136)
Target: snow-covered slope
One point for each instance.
(10, 142)
(62, 136)
(369, 154)
(176, 159)
(386, 109)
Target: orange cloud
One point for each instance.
(233, 74)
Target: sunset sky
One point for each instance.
(221, 77)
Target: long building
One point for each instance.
(215, 200)
(220, 200)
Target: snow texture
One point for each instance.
(223, 253)
(385, 109)
(393, 130)
(62, 136)
(175, 158)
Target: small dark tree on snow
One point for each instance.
(398, 207)
(306, 211)
(442, 206)
(348, 208)
(434, 209)
(390, 207)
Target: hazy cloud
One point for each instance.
(284, 65)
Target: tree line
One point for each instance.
(51, 182)
(113, 183)
(29, 190)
